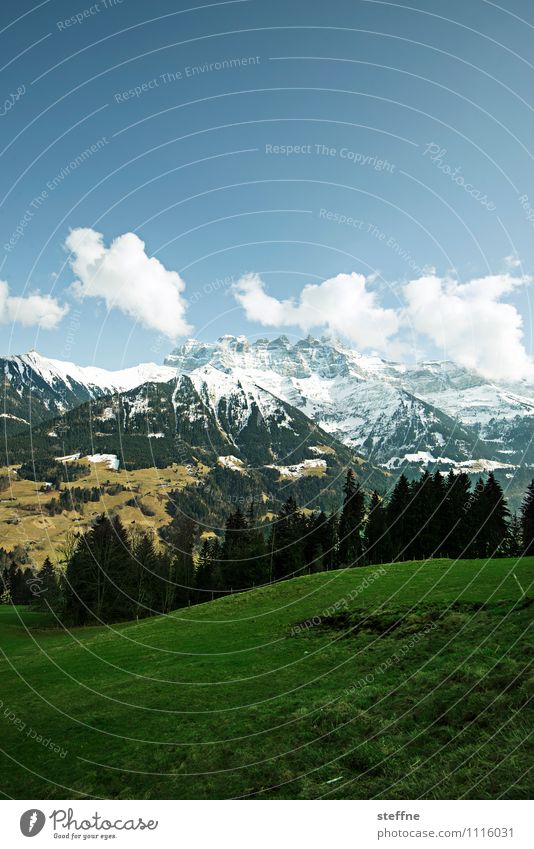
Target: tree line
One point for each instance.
(109, 574)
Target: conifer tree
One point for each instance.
(512, 546)
(145, 575)
(377, 548)
(496, 526)
(182, 535)
(455, 514)
(397, 518)
(527, 521)
(287, 542)
(204, 570)
(46, 597)
(234, 551)
(120, 602)
(351, 523)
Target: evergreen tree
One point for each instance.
(320, 542)
(46, 595)
(492, 516)
(377, 548)
(397, 518)
(513, 544)
(287, 542)
(425, 517)
(145, 575)
(527, 521)
(257, 572)
(165, 588)
(455, 514)
(418, 529)
(351, 522)
(204, 573)
(18, 591)
(234, 551)
(182, 535)
(120, 599)
(100, 579)
(475, 518)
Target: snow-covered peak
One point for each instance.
(53, 372)
(238, 389)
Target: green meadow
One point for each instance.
(406, 681)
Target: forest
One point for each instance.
(107, 574)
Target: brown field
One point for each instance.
(23, 521)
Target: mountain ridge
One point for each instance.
(394, 414)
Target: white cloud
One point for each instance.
(129, 280)
(342, 304)
(471, 324)
(512, 261)
(33, 310)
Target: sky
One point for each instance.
(357, 168)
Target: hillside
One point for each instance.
(199, 443)
(36, 388)
(403, 681)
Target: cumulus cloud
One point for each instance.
(33, 310)
(471, 324)
(129, 280)
(343, 305)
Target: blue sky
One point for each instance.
(258, 148)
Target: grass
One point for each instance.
(408, 681)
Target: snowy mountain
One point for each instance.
(390, 412)
(236, 440)
(206, 413)
(36, 388)
(393, 414)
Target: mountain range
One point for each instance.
(274, 403)
(391, 413)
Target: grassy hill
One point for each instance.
(404, 681)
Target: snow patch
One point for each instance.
(111, 460)
(231, 462)
(298, 470)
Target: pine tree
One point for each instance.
(397, 518)
(47, 595)
(100, 579)
(17, 589)
(319, 542)
(474, 522)
(330, 542)
(5, 587)
(204, 572)
(120, 599)
(527, 521)
(377, 549)
(418, 525)
(145, 575)
(455, 514)
(287, 542)
(493, 518)
(513, 544)
(425, 517)
(256, 566)
(234, 551)
(351, 523)
(182, 536)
